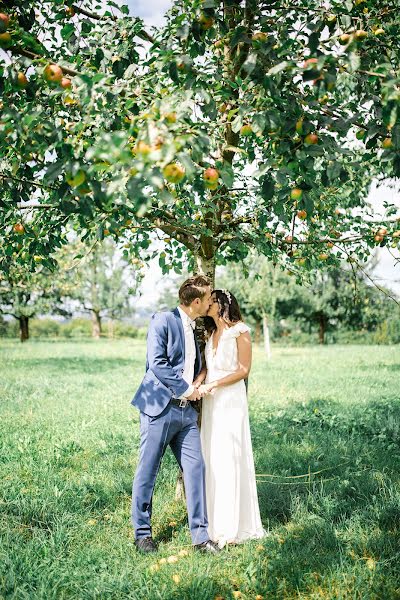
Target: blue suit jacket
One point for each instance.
(164, 364)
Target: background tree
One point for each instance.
(104, 285)
(24, 294)
(338, 299)
(161, 142)
(331, 300)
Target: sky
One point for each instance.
(151, 11)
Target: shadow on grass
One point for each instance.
(353, 452)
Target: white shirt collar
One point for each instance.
(186, 320)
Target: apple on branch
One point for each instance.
(53, 73)
(259, 36)
(210, 177)
(296, 193)
(21, 80)
(174, 173)
(311, 139)
(4, 22)
(246, 130)
(5, 40)
(19, 228)
(65, 83)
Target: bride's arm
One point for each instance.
(244, 361)
(200, 378)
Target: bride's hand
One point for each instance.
(207, 388)
(197, 383)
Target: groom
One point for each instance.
(167, 416)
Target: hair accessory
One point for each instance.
(228, 295)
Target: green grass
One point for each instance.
(69, 441)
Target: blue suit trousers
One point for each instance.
(176, 427)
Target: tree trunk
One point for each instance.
(23, 328)
(205, 266)
(110, 325)
(257, 333)
(322, 328)
(96, 324)
(267, 344)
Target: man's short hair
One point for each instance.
(192, 288)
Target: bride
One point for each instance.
(231, 492)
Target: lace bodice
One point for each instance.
(225, 358)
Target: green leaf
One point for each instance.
(250, 63)
(267, 188)
(67, 31)
(227, 175)
(239, 35)
(355, 61)
(279, 67)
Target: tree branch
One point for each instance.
(31, 181)
(34, 56)
(97, 17)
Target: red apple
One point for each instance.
(4, 22)
(19, 228)
(302, 214)
(53, 73)
(65, 83)
(387, 143)
(210, 176)
(311, 139)
(310, 61)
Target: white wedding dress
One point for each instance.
(232, 502)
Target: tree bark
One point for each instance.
(96, 324)
(23, 328)
(257, 333)
(267, 344)
(205, 266)
(322, 328)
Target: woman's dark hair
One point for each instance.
(228, 309)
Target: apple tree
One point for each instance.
(237, 124)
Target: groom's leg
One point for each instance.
(186, 447)
(155, 435)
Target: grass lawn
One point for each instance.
(69, 445)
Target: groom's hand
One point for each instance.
(194, 396)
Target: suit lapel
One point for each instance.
(180, 328)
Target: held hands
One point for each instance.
(195, 395)
(207, 388)
(201, 390)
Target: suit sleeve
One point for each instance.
(157, 340)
